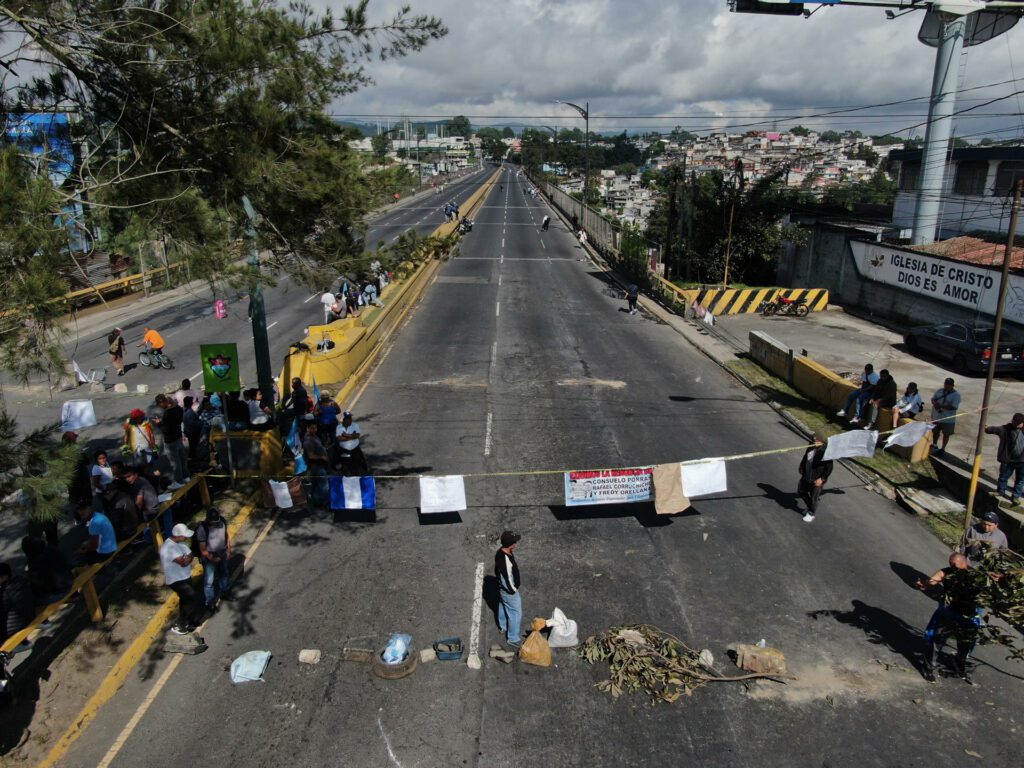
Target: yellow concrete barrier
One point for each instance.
(771, 354)
(819, 383)
(253, 453)
(335, 352)
(736, 301)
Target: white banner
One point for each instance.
(77, 414)
(442, 494)
(703, 478)
(607, 486)
(849, 445)
(955, 282)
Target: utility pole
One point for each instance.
(976, 470)
(670, 225)
(584, 112)
(691, 190)
(737, 191)
(257, 313)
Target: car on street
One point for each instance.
(968, 348)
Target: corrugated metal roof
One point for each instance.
(974, 250)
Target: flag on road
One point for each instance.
(442, 494)
(353, 493)
(849, 445)
(295, 443)
(908, 435)
(669, 498)
(703, 478)
(316, 390)
(282, 496)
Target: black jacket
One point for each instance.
(506, 570)
(820, 469)
(1005, 434)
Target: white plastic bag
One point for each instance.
(563, 631)
(397, 649)
(249, 667)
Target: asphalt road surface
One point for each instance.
(520, 357)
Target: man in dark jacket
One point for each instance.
(1010, 455)
(506, 570)
(883, 398)
(15, 602)
(814, 471)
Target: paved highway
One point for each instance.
(519, 357)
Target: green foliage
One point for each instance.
(886, 140)
(381, 143)
(880, 189)
(37, 467)
(830, 137)
(626, 169)
(507, 133)
(799, 130)
(680, 136)
(460, 126)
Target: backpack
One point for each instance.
(115, 346)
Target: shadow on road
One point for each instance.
(880, 628)
(643, 512)
(908, 574)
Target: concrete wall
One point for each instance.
(828, 258)
(771, 354)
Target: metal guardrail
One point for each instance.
(84, 581)
(138, 280)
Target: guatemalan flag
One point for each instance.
(353, 493)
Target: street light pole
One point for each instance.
(257, 312)
(585, 114)
(997, 329)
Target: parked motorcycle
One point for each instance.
(784, 306)
(465, 226)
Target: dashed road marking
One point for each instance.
(497, 309)
(473, 661)
(488, 434)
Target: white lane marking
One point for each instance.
(503, 242)
(312, 297)
(273, 324)
(499, 281)
(473, 661)
(497, 309)
(542, 245)
(494, 351)
(488, 435)
(196, 375)
(387, 742)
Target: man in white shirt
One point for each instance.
(185, 390)
(176, 558)
(348, 435)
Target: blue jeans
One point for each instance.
(1005, 470)
(861, 396)
(216, 579)
(510, 615)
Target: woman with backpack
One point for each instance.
(116, 347)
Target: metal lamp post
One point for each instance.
(585, 114)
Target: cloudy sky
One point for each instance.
(659, 63)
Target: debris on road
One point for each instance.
(358, 655)
(250, 666)
(564, 632)
(428, 655)
(644, 658)
(760, 658)
(536, 649)
(499, 653)
(190, 644)
(309, 656)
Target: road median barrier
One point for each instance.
(337, 354)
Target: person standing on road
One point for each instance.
(545, 223)
(317, 463)
(215, 551)
(982, 536)
(814, 471)
(945, 404)
(1010, 455)
(174, 446)
(348, 435)
(882, 398)
(632, 294)
(506, 570)
(139, 437)
(116, 347)
(957, 615)
(176, 558)
(185, 390)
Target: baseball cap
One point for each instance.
(181, 530)
(508, 538)
(990, 517)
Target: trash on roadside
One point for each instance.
(360, 655)
(563, 631)
(641, 657)
(309, 656)
(397, 649)
(189, 644)
(250, 666)
(706, 659)
(535, 648)
(427, 655)
(499, 653)
(761, 659)
(449, 649)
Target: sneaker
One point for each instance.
(840, 412)
(517, 644)
(928, 675)
(866, 427)
(179, 630)
(808, 518)
(190, 628)
(854, 420)
(937, 451)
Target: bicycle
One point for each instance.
(155, 358)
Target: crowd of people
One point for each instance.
(352, 295)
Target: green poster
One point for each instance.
(220, 367)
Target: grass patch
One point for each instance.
(895, 470)
(738, 286)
